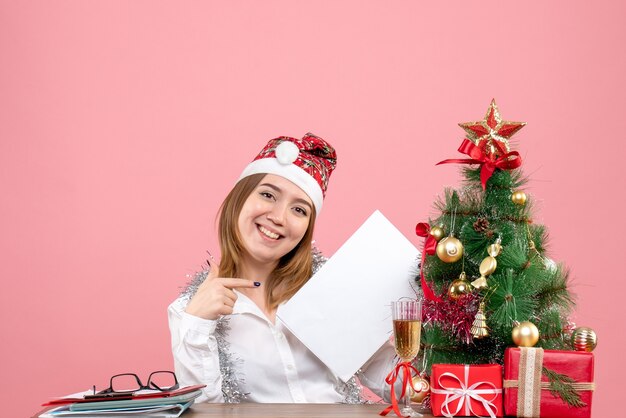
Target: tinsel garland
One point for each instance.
(453, 316)
(351, 390)
(231, 383)
(191, 287)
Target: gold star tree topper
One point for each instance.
(492, 134)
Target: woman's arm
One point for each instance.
(194, 347)
(374, 372)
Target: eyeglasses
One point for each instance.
(129, 382)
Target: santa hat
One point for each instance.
(307, 162)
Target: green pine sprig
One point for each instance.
(513, 299)
(561, 385)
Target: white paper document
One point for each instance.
(157, 411)
(343, 314)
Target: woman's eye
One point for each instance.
(267, 195)
(301, 211)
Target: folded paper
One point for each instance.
(342, 314)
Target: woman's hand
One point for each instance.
(215, 296)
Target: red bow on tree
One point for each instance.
(489, 162)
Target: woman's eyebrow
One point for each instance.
(279, 190)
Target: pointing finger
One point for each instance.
(235, 283)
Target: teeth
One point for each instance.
(268, 233)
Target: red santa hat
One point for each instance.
(307, 162)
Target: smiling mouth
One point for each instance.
(268, 233)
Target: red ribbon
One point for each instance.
(422, 229)
(391, 380)
(489, 164)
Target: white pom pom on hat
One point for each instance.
(307, 162)
(287, 152)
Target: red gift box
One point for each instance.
(526, 387)
(465, 390)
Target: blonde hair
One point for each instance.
(294, 268)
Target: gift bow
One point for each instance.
(489, 163)
(423, 230)
(466, 394)
(391, 380)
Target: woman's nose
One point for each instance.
(277, 214)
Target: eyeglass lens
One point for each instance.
(162, 380)
(130, 382)
(125, 383)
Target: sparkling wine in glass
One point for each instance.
(407, 327)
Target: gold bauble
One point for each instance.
(584, 339)
(423, 389)
(459, 287)
(449, 249)
(525, 334)
(437, 232)
(519, 197)
(488, 266)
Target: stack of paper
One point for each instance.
(140, 404)
(158, 411)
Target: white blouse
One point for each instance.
(244, 357)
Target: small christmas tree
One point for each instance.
(485, 269)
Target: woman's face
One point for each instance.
(273, 219)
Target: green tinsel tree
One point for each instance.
(525, 285)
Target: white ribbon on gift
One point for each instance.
(465, 394)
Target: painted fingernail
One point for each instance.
(257, 284)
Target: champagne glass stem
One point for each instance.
(407, 394)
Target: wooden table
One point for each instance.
(251, 410)
(283, 410)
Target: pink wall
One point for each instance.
(123, 124)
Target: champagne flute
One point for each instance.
(407, 327)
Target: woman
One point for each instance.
(225, 332)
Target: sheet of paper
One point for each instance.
(159, 411)
(342, 314)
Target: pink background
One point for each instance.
(124, 123)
